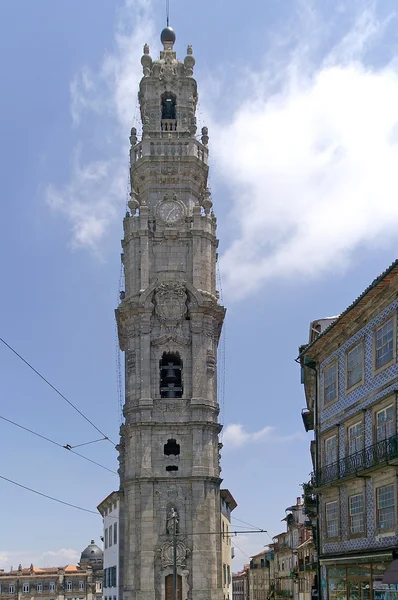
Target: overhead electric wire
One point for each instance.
(65, 447)
(250, 525)
(25, 487)
(55, 390)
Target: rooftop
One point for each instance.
(377, 284)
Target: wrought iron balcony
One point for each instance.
(371, 457)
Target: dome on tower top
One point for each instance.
(168, 35)
(92, 555)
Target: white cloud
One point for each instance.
(311, 167)
(49, 558)
(96, 191)
(234, 436)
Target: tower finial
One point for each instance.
(167, 13)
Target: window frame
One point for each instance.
(377, 369)
(379, 410)
(106, 538)
(326, 439)
(334, 363)
(25, 588)
(51, 586)
(377, 521)
(352, 387)
(11, 591)
(39, 588)
(68, 586)
(81, 586)
(361, 533)
(349, 427)
(328, 502)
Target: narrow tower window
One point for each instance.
(169, 102)
(171, 448)
(170, 376)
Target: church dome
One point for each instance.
(92, 555)
(168, 35)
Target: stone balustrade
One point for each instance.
(173, 148)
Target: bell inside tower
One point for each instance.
(169, 117)
(170, 376)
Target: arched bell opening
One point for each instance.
(169, 114)
(170, 375)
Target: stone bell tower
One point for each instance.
(169, 323)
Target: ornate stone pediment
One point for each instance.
(171, 307)
(171, 302)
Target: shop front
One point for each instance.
(361, 581)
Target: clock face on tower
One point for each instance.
(170, 212)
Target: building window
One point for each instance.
(106, 537)
(229, 574)
(115, 533)
(11, 588)
(110, 537)
(385, 423)
(98, 586)
(225, 574)
(52, 586)
(115, 505)
(330, 383)
(39, 587)
(385, 507)
(25, 588)
(81, 586)
(331, 450)
(354, 365)
(356, 514)
(332, 519)
(355, 438)
(69, 586)
(384, 344)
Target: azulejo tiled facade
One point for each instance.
(350, 375)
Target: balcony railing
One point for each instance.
(370, 457)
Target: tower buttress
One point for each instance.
(169, 324)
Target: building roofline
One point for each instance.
(370, 287)
(228, 497)
(105, 501)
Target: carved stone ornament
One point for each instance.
(166, 554)
(168, 69)
(170, 302)
(130, 361)
(210, 363)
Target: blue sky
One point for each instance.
(301, 103)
